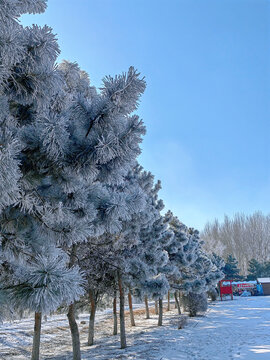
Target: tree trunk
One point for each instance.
(160, 312)
(156, 307)
(21, 313)
(146, 308)
(169, 303)
(74, 332)
(36, 338)
(114, 315)
(177, 303)
(122, 313)
(91, 329)
(132, 321)
(181, 301)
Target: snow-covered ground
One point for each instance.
(238, 329)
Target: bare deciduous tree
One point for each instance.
(243, 236)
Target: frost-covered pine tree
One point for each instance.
(194, 273)
(181, 256)
(200, 277)
(61, 143)
(95, 261)
(101, 258)
(136, 253)
(149, 258)
(35, 275)
(218, 267)
(119, 251)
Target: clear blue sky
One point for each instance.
(206, 106)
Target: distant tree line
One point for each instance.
(255, 270)
(245, 237)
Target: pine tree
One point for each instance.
(255, 269)
(148, 267)
(195, 273)
(116, 258)
(219, 264)
(265, 272)
(231, 270)
(144, 262)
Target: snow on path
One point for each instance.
(236, 329)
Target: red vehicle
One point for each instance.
(225, 288)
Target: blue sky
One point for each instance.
(206, 107)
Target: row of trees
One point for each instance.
(243, 236)
(79, 217)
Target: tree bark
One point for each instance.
(36, 338)
(169, 303)
(146, 308)
(183, 302)
(74, 332)
(114, 315)
(122, 313)
(160, 312)
(177, 303)
(132, 321)
(156, 307)
(91, 329)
